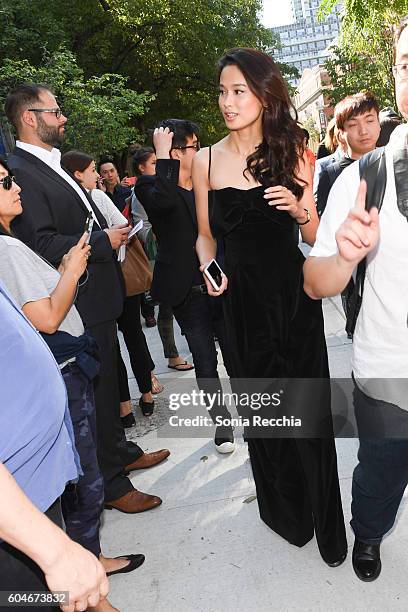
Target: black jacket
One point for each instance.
(53, 220)
(174, 222)
(327, 170)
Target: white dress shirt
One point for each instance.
(53, 160)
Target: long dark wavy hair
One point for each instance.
(275, 161)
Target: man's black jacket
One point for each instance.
(53, 220)
(174, 222)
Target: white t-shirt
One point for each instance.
(380, 342)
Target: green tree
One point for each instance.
(351, 72)
(100, 110)
(364, 56)
(166, 47)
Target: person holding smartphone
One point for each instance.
(46, 296)
(253, 190)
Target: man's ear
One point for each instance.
(340, 137)
(175, 154)
(27, 119)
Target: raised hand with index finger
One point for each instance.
(359, 233)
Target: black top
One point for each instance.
(171, 211)
(119, 196)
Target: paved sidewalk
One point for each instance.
(206, 548)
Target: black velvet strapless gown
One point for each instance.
(276, 332)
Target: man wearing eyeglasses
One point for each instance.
(168, 199)
(347, 234)
(55, 209)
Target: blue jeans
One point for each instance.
(380, 478)
(200, 318)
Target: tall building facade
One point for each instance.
(305, 41)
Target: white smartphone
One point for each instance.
(214, 274)
(88, 226)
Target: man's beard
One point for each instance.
(49, 135)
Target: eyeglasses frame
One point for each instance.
(195, 146)
(395, 71)
(57, 111)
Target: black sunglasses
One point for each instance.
(7, 182)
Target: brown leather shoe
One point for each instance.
(148, 460)
(134, 501)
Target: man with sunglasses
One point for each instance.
(349, 233)
(168, 199)
(55, 209)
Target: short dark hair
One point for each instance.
(140, 156)
(354, 105)
(3, 162)
(182, 129)
(21, 98)
(76, 161)
(107, 159)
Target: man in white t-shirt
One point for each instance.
(346, 235)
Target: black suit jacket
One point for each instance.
(323, 179)
(174, 222)
(53, 220)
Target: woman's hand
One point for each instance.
(284, 199)
(210, 288)
(76, 260)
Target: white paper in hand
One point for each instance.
(133, 231)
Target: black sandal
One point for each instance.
(146, 407)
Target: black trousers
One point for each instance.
(200, 318)
(19, 573)
(140, 359)
(114, 452)
(381, 475)
(166, 331)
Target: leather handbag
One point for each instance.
(136, 269)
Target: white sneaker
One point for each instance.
(224, 446)
(224, 440)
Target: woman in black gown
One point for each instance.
(253, 190)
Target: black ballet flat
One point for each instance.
(146, 407)
(135, 562)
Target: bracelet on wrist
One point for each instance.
(308, 217)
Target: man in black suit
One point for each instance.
(168, 199)
(55, 209)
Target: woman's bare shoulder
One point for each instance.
(202, 157)
(221, 145)
(203, 154)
